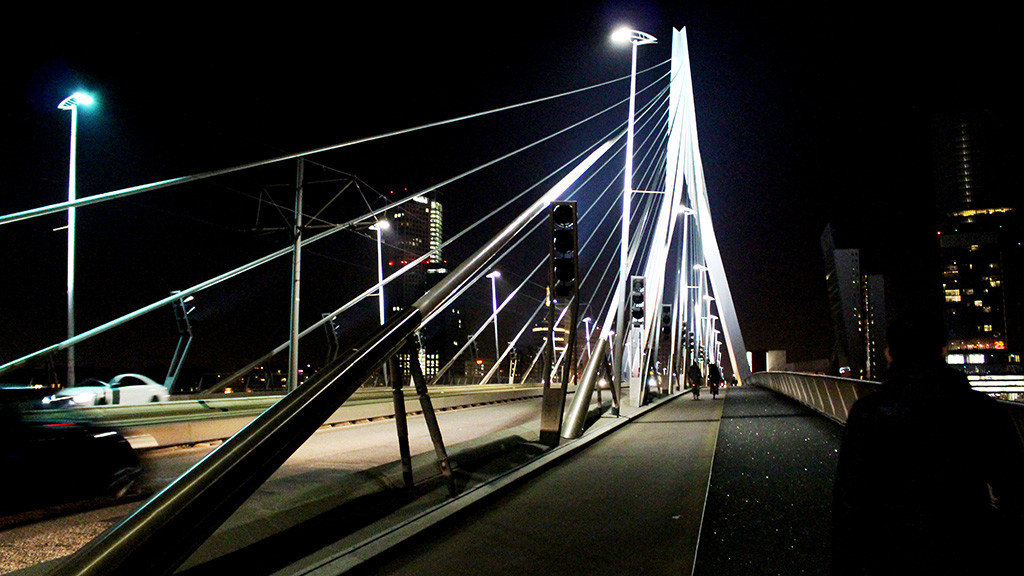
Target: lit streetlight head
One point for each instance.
(494, 275)
(626, 34)
(380, 225)
(680, 209)
(75, 100)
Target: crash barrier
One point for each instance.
(186, 422)
(832, 397)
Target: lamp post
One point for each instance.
(679, 310)
(698, 313)
(635, 38)
(586, 324)
(379, 228)
(72, 103)
(494, 306)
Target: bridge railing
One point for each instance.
(830, 396)
(833, 397)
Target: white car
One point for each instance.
(122, 389)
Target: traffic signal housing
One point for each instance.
(564, 277)
(636, 300)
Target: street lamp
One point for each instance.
(72, 103)
(682, 293)
(698, 314)
(379, 228)
(494, 306)
(586, 323)
(709, 325)
(635, 38)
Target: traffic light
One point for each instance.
(689, 342)
(564, 260)
(666, 317)
(636, 300)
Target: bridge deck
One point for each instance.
(634, 502)
(770, 504)
(629, 503)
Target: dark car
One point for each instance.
(44, 463)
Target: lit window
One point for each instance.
(975, 358)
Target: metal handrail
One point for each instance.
(833, 397)
(161, 535)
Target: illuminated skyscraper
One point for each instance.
(418, 229)
(979, 243)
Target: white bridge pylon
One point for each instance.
(696, 250)
(688, 265)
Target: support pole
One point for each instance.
(401, 422)
(429, 416)
(293, 346)
(550, 421)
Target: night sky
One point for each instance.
(806, 116)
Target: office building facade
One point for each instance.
(980, 251)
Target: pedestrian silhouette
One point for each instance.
(930, 472)
(714, 379)
(694, 377)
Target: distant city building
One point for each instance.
(980, 252)
(857, 304)
(417, 228)
(873, 323)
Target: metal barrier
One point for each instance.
(830, 396)
(185, 422)
(833, 397)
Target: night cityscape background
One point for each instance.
(808, 118)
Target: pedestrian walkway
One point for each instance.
(770, 503)
(628, 504)
(737, 485)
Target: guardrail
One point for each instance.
(184, 422)
(832, 397)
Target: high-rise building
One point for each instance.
(857, 304)
(874, 323)
(417, 228)
(980, 251)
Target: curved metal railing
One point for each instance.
(833, 397)
(830, 396)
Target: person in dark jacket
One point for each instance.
(694, 378)
(930, 473)
(714, 379)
